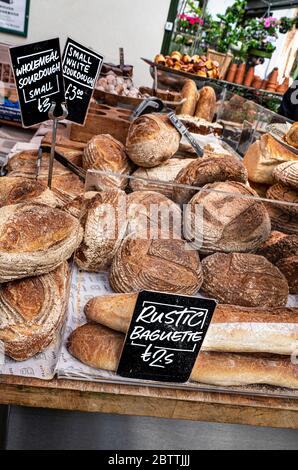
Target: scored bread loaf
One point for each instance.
(190, 93)
(244, 279)
(282, 221)
(32, 313)
(280, 192)
(104, 222)
(165, 173)
(205, 171)
(289, 267)
(233, 328)
(263, 157)
(287, 174)
(152, 140)
(35, 239)
(17, 190)
(230, 222)
(101, 348)
(291, 136)
(106, 154)
(206, 105)
(162, 265)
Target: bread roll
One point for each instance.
(206, 105)
(106, 154)
(35, 239)
(230, 223)
(150, 212)
(263, 157)
(161, 265)
(18, 190)
(279, 192)
(32, 313)
(244, 279)
(233, 370)
(292, 136)
(104, 221)
(289, 268)
(165, 173)
(152, 140)
(287, 174)
(190, 93)
(101, 348)
(205, 171)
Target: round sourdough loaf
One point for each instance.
(32, 312)
(159, 177)
(35, 239)
(106, 154)
(156, 265)
(150, 212)
(152, 140)
(279, 246)
(282, 221)
(280, 192)
(289, 267)
(104, 222)
(287, 174)
(229, 221)
(205, 171)
(244, 279)
(292, 136)
(18, 190)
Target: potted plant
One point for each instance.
(285, 25)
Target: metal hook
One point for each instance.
(52, 111)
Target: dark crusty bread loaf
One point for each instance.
(287, 174)
(244, 279)
(100, 347)
(152, 140)
(206, 171)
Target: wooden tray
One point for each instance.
(170, 99)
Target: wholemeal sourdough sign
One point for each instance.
(38, 74)
(165, 337)
(81, 67)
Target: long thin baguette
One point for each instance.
(100, 347)
(233, 329)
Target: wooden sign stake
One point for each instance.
(55, 120)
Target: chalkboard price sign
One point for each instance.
(38, 75)
(81, 67)
(165, 337)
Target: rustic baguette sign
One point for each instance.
(38, 75)
(165, 337)
(81, 67)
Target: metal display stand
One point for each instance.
(55, 120)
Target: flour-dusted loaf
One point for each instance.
(66, 187)
(160, 265)
(152, 140)
(206, 105)
(18, 190)
(101, 348)
(35, 239)
(151, 212)
(244, 279)
(190, 94)
(229, 222)
(206, 171)
(263, 157)
(160, 177)
(280, 192)
(103, 218)
(233, 370)
(32, 312)
(279, 246)
(287, 174)
(281, 220)
(106, 154)
(233, 328)
(96, 346)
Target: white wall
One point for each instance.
(104, 25)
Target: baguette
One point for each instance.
(233, 329)
(206, 106)
(99, 347)
(190, 93)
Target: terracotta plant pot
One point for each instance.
(240, 74)
(232, 73)
(249, 77)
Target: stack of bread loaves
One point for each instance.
(219, 246)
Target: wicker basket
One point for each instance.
(224, 61)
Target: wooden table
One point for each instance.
(144, 401)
